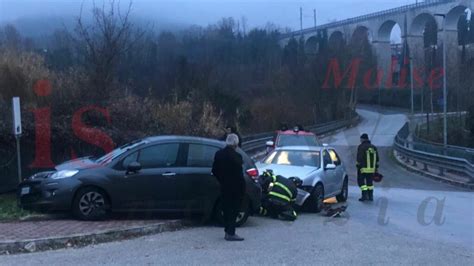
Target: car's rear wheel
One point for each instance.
(242, 216)
(317, 199)
(342, 197)
(90, 203)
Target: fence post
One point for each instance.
(441, 171)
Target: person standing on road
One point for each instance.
(232, 130)
(227, 168)
(367, 165)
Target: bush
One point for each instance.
(18, 74)
(186, 118)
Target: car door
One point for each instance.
(339, 173)
(126, 188)
(329, 174)
(154, 187)
(161, 171)
(197, 180)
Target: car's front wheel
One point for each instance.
(90, 203)
(242, 216)
(342, 197)
(317, 198)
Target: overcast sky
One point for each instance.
(284, 13)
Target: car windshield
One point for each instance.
(297, 140)
(118, 151)
(294, 158)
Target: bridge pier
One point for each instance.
(453, 62)
(382, 50)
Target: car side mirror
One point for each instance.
(270, 143)
(134, 167)
(330, 166)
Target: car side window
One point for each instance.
(158, 156)
(129, 159)
(201, 155)
(334, 157)
(326, 158)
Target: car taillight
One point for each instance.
(252, 172)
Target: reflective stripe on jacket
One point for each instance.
(367, 158)
(282, 188)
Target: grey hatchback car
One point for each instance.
(162, 173)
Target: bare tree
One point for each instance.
(12, 38)
(105, 40)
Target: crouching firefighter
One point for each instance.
(279, 196)
(367, 165)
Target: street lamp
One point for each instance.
(411, 86)
(445, 93)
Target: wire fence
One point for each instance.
(450, 150)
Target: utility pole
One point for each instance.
(445, 91)
(315, 21)
(411, 86)
(17, 130)
(301, 18)
(422, 99)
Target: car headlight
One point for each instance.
(64, 174)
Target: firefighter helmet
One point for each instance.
(377, 177)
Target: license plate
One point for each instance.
(25, 190)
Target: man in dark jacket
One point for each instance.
(232, 130)
(227, 168)
(367, 165)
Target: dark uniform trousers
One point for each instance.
(278, 209)
(365, 181)
(231, 203)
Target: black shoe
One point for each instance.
(364, 196)
(370, 194)
(233, 237)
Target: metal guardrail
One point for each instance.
(422, 153)
(392, 11)
(255, 142)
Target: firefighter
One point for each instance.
(279, 196)
(367, 165)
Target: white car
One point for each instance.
(320, 168)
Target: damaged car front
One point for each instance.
(320, 169)
(52, 190)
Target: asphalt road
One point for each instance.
(414, 220)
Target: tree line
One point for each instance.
(129, 81)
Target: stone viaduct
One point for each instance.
(411, 19)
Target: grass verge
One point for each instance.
(9, 211)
